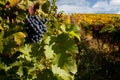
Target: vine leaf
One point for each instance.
(108, 28)
(47, 40)
(14, 2)
(49, 52)
(1, 27)
(26, 50)
(1, 38)
(63, 27)
(45, 7)
(19, 37)
(72, 27)
(73, 34)
(3, 66)
(63, 43)
(61, 73)
(20, 71)
(71, 66)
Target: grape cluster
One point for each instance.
(35, 28)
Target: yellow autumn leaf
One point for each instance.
(14, 2)
(1, 27)
(19, 37)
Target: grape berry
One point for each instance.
(35, 28)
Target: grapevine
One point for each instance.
(51, 58)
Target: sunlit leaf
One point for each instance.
(26, 52)
(63, 28)
(72, 27)
(20, 71)
(47, 40)
(71, 66)
(73, 34)
(61, 73)
(3, 66)
(19, 37)
(25, 49)
(49, 54)
(1, 38)
(14, 2)
(1, 27)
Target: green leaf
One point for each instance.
(71, 66)
(13, 70)
(25, 49)
(64, 75)
(20, 71)
(45, 7)
(9, 45)
(72, 27)
(108, 28)
(73, 34)
(63, 43)
(4, 66)
(37, 50)
(56, 59)
(26, 52)
(16, 63)
(47, 40)
(46, 74)
(49, 54)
